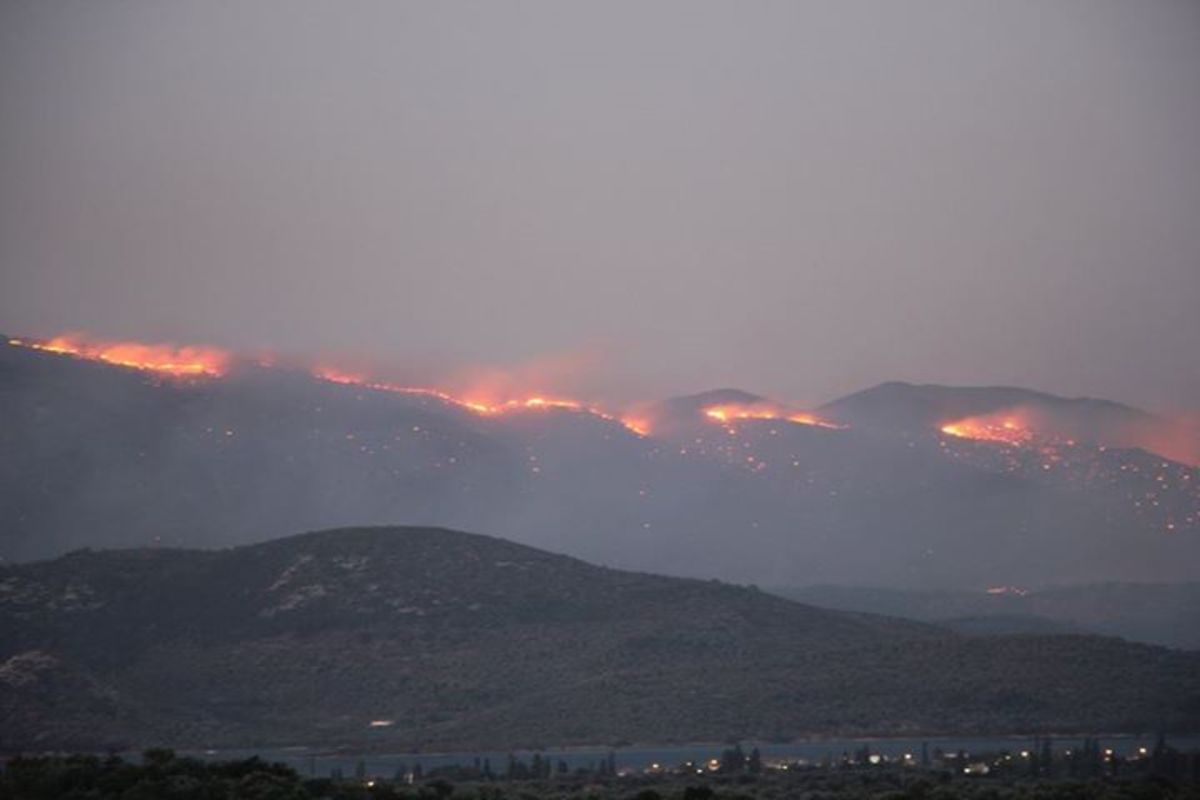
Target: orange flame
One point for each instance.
(1009, 432)
(532, 403)
(730, 412)
(639, 425)
(1176, 438)
(207, 362)
(1009, 429)
(180, 362)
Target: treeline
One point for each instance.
(539, 767)
(737, 775)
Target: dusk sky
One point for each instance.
(796, 198)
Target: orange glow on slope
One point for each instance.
(1006, 429)
(498, 394)
(639, 425)
(180, 362)
(334, 375)
(731, 412)
(1176, 438)
(485, 408)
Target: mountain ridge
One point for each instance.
(461, 641)
(107, 456)
(929, 403)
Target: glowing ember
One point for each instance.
(731, 412)
(334, 375)
(165, 359)
(1023, 442)
(1009, 430)
(1177, 438)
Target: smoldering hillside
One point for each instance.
(99, 456)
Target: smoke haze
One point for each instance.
(801, 199)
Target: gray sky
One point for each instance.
(797, 198)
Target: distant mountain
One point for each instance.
(104, 456)
(913, 407)
(405, 637)
(906, 408)
(1165, 614)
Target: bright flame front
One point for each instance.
(1009, 429)
(180, 362)
(731, 412)
(535, 402)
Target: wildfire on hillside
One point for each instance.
(1025, 441)
(636, 423)
(1019, 429)
(731, 412)
(1007, 428)
(164, 359)
(1177, 438)
(535, 402)
(209, 362)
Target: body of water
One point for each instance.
(322, 763)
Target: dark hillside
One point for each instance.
(448, 639)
